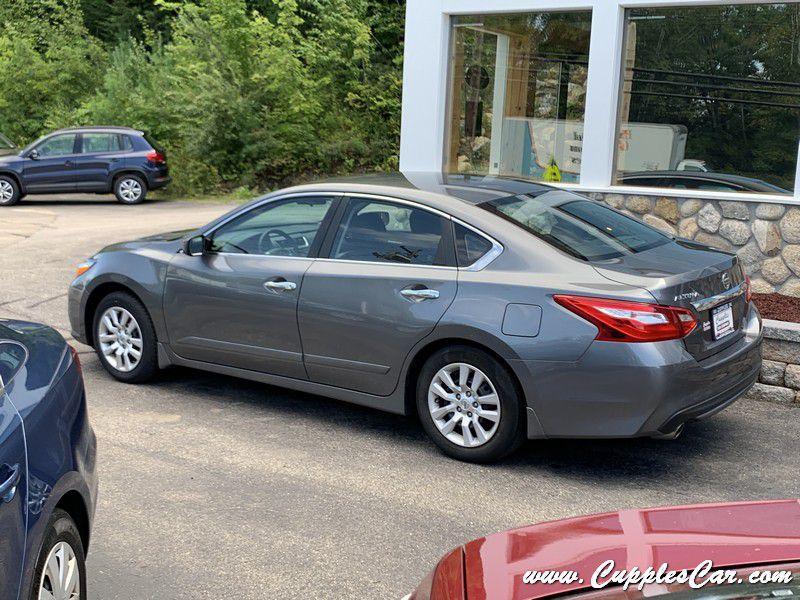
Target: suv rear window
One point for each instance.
(585, 229)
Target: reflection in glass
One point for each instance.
(711, 98)
(517, 94)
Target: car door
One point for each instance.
(13, 479)
(50, 167)
(388, 278)
(236, 305)
(99, 154)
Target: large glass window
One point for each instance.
(517, 94)
(711, 98)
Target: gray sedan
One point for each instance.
(495, 310)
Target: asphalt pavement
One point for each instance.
(213, 487)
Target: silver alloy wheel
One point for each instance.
(464, 405)
(6, 191)
(130, 190)
(120, 339)
(61, 578)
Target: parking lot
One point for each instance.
(212, 487)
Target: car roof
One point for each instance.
(732, 535)
(438, 190)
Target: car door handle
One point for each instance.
(422, 294)
(8, 488)
(280, 285)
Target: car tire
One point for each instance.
(130, 189)
(62, 541)
(496, 394)
(9, 191)
(111, 325)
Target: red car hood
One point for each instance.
(730, 535)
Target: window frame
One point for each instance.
(447, 233)
(313, 251)
(425, 108)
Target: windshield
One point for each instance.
(583, 228)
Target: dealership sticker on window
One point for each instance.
(703, 574)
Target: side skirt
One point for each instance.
(395, 403)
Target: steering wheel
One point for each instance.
(266, 238)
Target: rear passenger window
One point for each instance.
(126, 142)
(470, 246)
(12, 357)
(376, 231)
(100, 142)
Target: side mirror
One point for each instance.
(196, 246)
(33, 154)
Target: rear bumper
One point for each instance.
(159, 181)
(635, 390)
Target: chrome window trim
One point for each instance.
(485, 260)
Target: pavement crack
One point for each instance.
(35, 304)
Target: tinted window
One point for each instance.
(126, 142)
(58, 145)
(585, 229)
(470, 246)
(100, 142)
(12, 357)
(275, 229)
(388, 232)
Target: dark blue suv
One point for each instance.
(48, 486)
(102, 160)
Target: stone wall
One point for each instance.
(765, 236)
(780, 373)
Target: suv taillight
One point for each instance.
(156, 157)
(625, 321)
(748, 293)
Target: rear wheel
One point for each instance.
(9, 191)
(61, 569)
(125, 339)
(130, 189)
(469, 405)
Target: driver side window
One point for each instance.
(283, 228)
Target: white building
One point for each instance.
(650, 105)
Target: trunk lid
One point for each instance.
(694, 276)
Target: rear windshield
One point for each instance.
(585, 229)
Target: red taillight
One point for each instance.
(156, 157)
(76, 359)
(748, 293)
(625, 321)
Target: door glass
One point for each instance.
(387, 232)
(285, 228)
(100, 142)
(59, 145)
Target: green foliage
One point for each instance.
(241, 93)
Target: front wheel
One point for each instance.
(9, 191)
(61, 569)
(130, 189)
(469, 405)
(125, 339)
